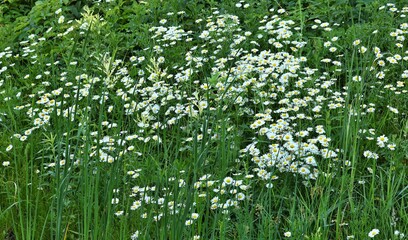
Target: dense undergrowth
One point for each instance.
(203, 120)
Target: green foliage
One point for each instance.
(159, 118)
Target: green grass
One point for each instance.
(203, 119)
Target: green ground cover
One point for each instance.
(203, 119)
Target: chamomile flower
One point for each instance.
(356, 42)
(9, 147)
(381, 140)
(228, 180)
(240, 196)
(373, 233)
(287, 234)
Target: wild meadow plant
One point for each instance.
(213, 125)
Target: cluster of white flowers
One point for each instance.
(260, 75)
